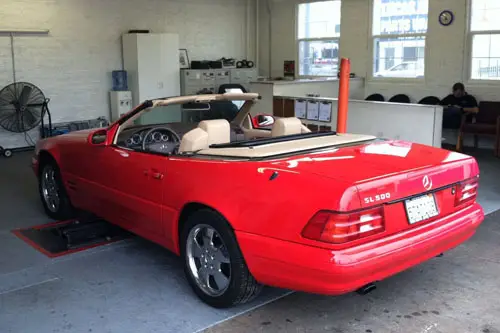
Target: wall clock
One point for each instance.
(446, 17)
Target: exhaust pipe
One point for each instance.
(366, 289)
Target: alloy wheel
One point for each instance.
(208, 260)
(50, 189)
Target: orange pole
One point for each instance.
(343, 101)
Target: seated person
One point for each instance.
(456, 104)
(219, 109)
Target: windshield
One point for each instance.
(190, 113)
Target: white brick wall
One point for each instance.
(446, 47)
(73, 64)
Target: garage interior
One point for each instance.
(78, 54)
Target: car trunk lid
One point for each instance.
(406, 184)
(386, 171)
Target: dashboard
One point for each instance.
(163, 138)
(152, 138)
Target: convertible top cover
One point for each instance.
(302, 144)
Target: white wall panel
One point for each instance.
(73, 64)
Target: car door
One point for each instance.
(130, 188)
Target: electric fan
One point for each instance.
(22, 108)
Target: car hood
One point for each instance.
(394, 167)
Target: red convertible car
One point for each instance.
(278, 205)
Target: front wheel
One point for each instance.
(52, 192)
(213, 262)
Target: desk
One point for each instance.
(411, 122)
(270, 90)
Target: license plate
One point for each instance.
(421, 208)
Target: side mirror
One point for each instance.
(98, 137)
(263, 121)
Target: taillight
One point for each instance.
(337, 228)
(466, 191)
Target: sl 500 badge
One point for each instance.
(378, 197)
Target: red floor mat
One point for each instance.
(65, 237)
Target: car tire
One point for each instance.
(7, 153)
(241, 285)
(52, 192)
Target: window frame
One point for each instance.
(468, 60)
(320, 39)
(371, 42)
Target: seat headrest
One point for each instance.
(207, 133)
(286, 126)
(218, 130)
(194, 140)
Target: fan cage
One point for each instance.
(22, 107)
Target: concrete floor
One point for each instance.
(456, 293)
(136, 286)
(130, 286)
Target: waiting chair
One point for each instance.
(400, 98)
(375, 97)
(485, 123)
(430, 100)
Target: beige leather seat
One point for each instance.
(207, 133)
(288, 126)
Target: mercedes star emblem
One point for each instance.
(427, 182)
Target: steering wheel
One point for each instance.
(163, 146)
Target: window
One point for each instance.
(485, 40)
(398, 32)
(318, 38)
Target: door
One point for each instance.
(131, 188)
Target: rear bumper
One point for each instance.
(318, 270)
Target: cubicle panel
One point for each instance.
(411, 122)
(438, 126)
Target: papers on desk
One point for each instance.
(325, 111)
(300, 108)
(312, 110)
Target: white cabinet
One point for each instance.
(152, 64)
